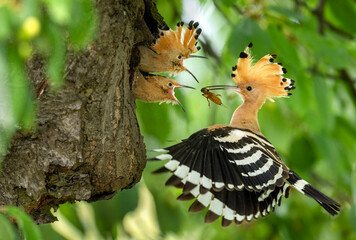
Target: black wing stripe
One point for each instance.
(226, 170)
(247, 167)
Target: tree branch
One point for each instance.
(87, 144)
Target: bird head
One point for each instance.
(162, 89)
(260, 81)
(176, 46)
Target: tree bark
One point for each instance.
(87, 143)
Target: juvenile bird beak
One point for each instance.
(191, 74)
(223, 87)
(184, 86)
(180, 104)
(176, 99)
(195, 56)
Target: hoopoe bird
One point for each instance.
(154, 88)
(233, 170)
(170, 49)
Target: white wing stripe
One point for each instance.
(206, 182)
(193, 177)
(261, 170)
(182, 171)
(251, 159)
(277, 176)
(164, 156)
(239, 217)
(216, 206)
(195, 191)
(205, 198)
(172, 165)
(228, 213)
(234, 136)
(244, 149)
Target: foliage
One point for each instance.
(313, 130)
(27, 229)
(44, 27)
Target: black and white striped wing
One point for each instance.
(224, 157)
(229, 166)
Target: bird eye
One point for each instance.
(170, 84)
(179, 57)
(249, 88)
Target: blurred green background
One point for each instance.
(314, 130)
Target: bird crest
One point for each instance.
(181, 42)
(264, 72)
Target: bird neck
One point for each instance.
(152, 62)
(245, 116)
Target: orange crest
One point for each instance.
(181, 40)
(264, 73)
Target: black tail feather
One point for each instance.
(304, 187)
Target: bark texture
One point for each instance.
(87, 143)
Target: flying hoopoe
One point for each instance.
(233, 169)
(170, 49)
(154, 88)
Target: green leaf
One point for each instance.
(68, 210)
(56, 56)
(7, 229)
(344, 13)
(30, 8)
(353, 189)
(19, 89)
(245, 32)
(288, 54)
(324, 107)
(325, 50)
(288, 13)
(302, 154)
(153, 119)
(83, 23)
(60, 11)
(5, 29)
(27, 226)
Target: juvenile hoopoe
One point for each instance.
(171, 49)
(154, 88)
(233, 169)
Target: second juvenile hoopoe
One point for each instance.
(154, 88)
(171, 49)
(233, 169)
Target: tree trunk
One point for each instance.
(87, 143)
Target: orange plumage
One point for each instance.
(170, 49)
(265, 73)
(181, 41)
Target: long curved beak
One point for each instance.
(222, 87)
(176, 99)
(180, 104)
(184, 86)
(195, 56)
(191, 74)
